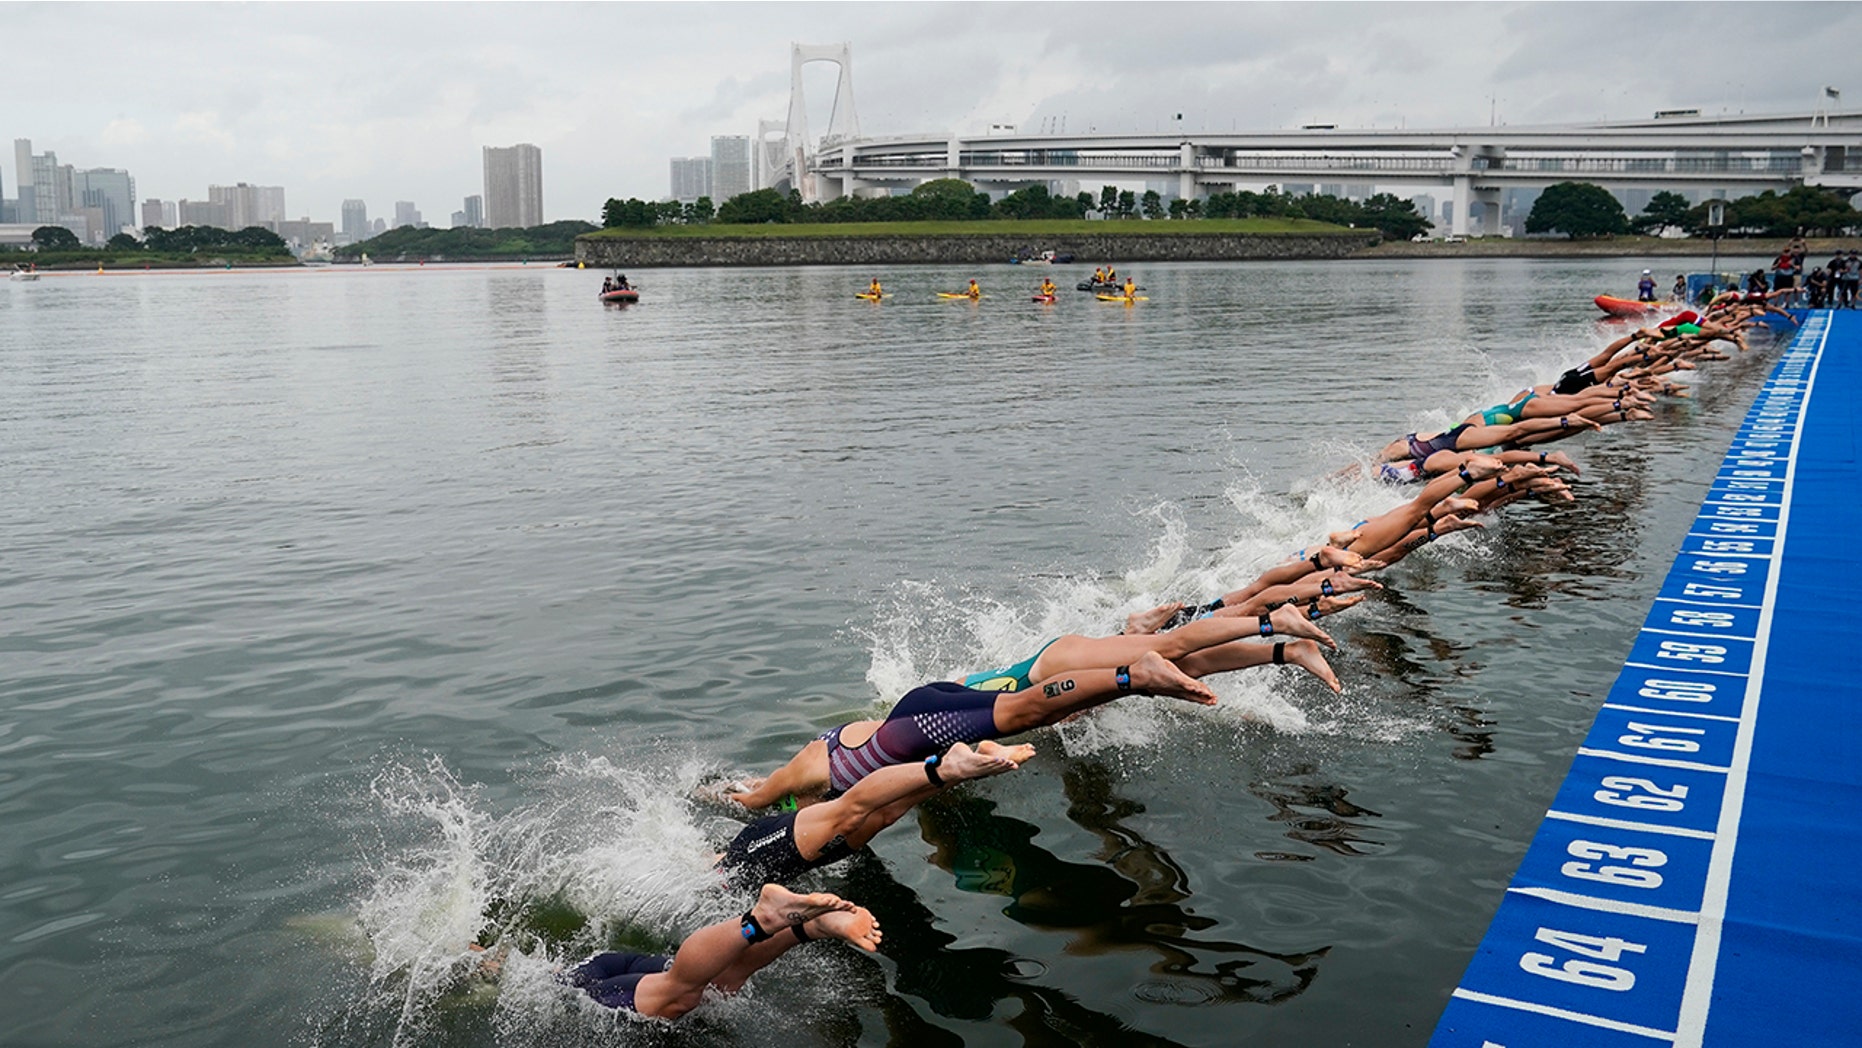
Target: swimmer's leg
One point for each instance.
(856, 927)
(806, 773)
(855, 816)
(1387, 529)
(1059, 697)
(716, 949)
(1242, 655)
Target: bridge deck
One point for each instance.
(1695, 880)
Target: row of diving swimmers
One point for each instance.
(851, 782)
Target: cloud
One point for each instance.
(122, 132)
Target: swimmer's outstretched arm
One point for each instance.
(724, 955)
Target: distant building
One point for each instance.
(355, 220)
(513, 186)
(303, 233)
(459, 220)
(202, 213)
(249, 205)
(378, 226)
(113, 193)
(475, 211)
(158, 213)
(26, 211)
(730, 166)
(691, 179)
(406, 214)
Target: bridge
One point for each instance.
(1671, 151)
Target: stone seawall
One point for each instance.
(649, 252)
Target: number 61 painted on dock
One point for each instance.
(1583, 973)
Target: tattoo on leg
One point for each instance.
(1054, 689)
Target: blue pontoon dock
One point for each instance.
(1698, 879)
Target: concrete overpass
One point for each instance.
(1745, 152)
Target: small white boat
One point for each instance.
(23, 274)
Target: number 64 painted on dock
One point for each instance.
(1583, 973)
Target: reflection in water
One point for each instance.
(1317, 813)
(1130, 901)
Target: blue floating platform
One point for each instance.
(1698, 879)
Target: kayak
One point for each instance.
(1629, 307)
(869, 296)
(947, 294)
(1044, 298)
(622, 296)
(1123, 298)
(1088, 285)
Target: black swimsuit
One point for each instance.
(766, 853)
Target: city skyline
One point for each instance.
(344, 117)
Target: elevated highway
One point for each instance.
(1748, 153)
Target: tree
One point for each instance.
(1395, 217)
(948, 199)
(55, 238)
(1152, 204)
(1108, 200)
(703, 210)
(1178, 207)
(754, 208)
(1664, 211)
(124, 242)
(1577, 209)
(1127, 203)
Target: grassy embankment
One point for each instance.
(1033, 228)
(91, 258)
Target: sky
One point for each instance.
(392, 101)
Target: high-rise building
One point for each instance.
(730, 166)
(159, 213)
(459, 220)
(249, 205)
(112, 192)
(691, 178)
(513, 186)
(406, 214)
(355, 220)
(378, 226)
(22, 174)
(475, 211)
(202, 213)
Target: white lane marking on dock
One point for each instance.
(1658, 762)
(1560, 1013)
(1671, 713)
(1626, 824)
(1592, 902)
(1697, 996)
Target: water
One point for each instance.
(343, 607)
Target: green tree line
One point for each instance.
(1582, 209)
(556, 239)
(954, 200)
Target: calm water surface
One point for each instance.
(342, 609)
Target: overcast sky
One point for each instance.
(390, 102)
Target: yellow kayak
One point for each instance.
(1123, 298)
(947, 294)
(869, 296)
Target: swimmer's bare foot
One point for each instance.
(1139, 623)
(1334, 557)
(1480, 467)
(1456, 504)
(1152, 674)
(1639, 416)
(1334, 605)
(1307, 656)
(1341, 539)
(1289, 621)
(856, 927)
(1551, 490)
(961, 764)
(490, 962)
(1020, 753)
(1562, 461)
(1344, 583)
(778, 907)
(735, 790)
(1451, 524)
